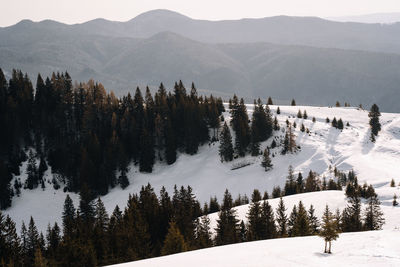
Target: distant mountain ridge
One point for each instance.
(328, 61)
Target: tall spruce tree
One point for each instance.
(373, 216)
(281, 219)
(374, 123)
(225, 147)
(227, 224)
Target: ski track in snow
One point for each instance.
(325, 146)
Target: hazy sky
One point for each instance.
(76, 11)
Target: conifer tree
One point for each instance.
(392, 183)
(278, 110)
(374, 123)
(225, 147)
(373, 216)
(68, 217)
(293, 103)
(292, 229)
(311, 184)
(267, 216)
(227, 224)
(266, 162)
(302, 224)
(305, 116)
(328, 229)
(269, 102)
(290, 185)
(314, 222)
(31, 170)
(203, 233)
(276, 124)
(281, 219)
(352, 214)
(395, 203)
(299, 115)
(334, 122)
(340, 124)
(174, 241)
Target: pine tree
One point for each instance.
(373, 216)
(269, 102)
(311, 184)
(299, 115)
(374, 123)
(227, 224)
(256, 226)
(392, 183)
(352, 214)
(174, 241)
(267, 216)
(290, 185)
(68, 217)
(226, 147)
(266, 162)
(281, 219)
(302, 224)
(395, 203)
(31, 170)
(314, 222)
(328, 229)
(278, 111)
(293, 103)
(292, 229)
(334, 122)
(305, 116)
(340, 125)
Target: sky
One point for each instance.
(78, 11)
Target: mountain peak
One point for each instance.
(160, 14)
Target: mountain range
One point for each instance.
(313, 60)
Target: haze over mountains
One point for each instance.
(313, 60)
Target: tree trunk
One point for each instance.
(330, 242)
(325, 247)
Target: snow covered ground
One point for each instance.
(325, 146)
(375, 248)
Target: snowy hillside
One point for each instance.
(376, 248)
(325, 146)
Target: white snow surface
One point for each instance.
(376, 163)
(374, 248)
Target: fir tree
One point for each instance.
(278, 111)
(174, 241)
(226, 147)
(266, 162)
(314, 222)
(352, 214)
(299, 115)
(293, 103)
(373, 216)
(292, 229)
(302, 224)
(328, 229)
(281, 219)
(269, 102)
(392, 183)
(305, 116)
(68, 217)
(340, 124)
(374, 123)
(227, 224)
(395, 203)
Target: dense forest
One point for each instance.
(88, 137)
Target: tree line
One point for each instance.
(152, 225)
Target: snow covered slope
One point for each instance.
(325, 146)
(375, 248)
